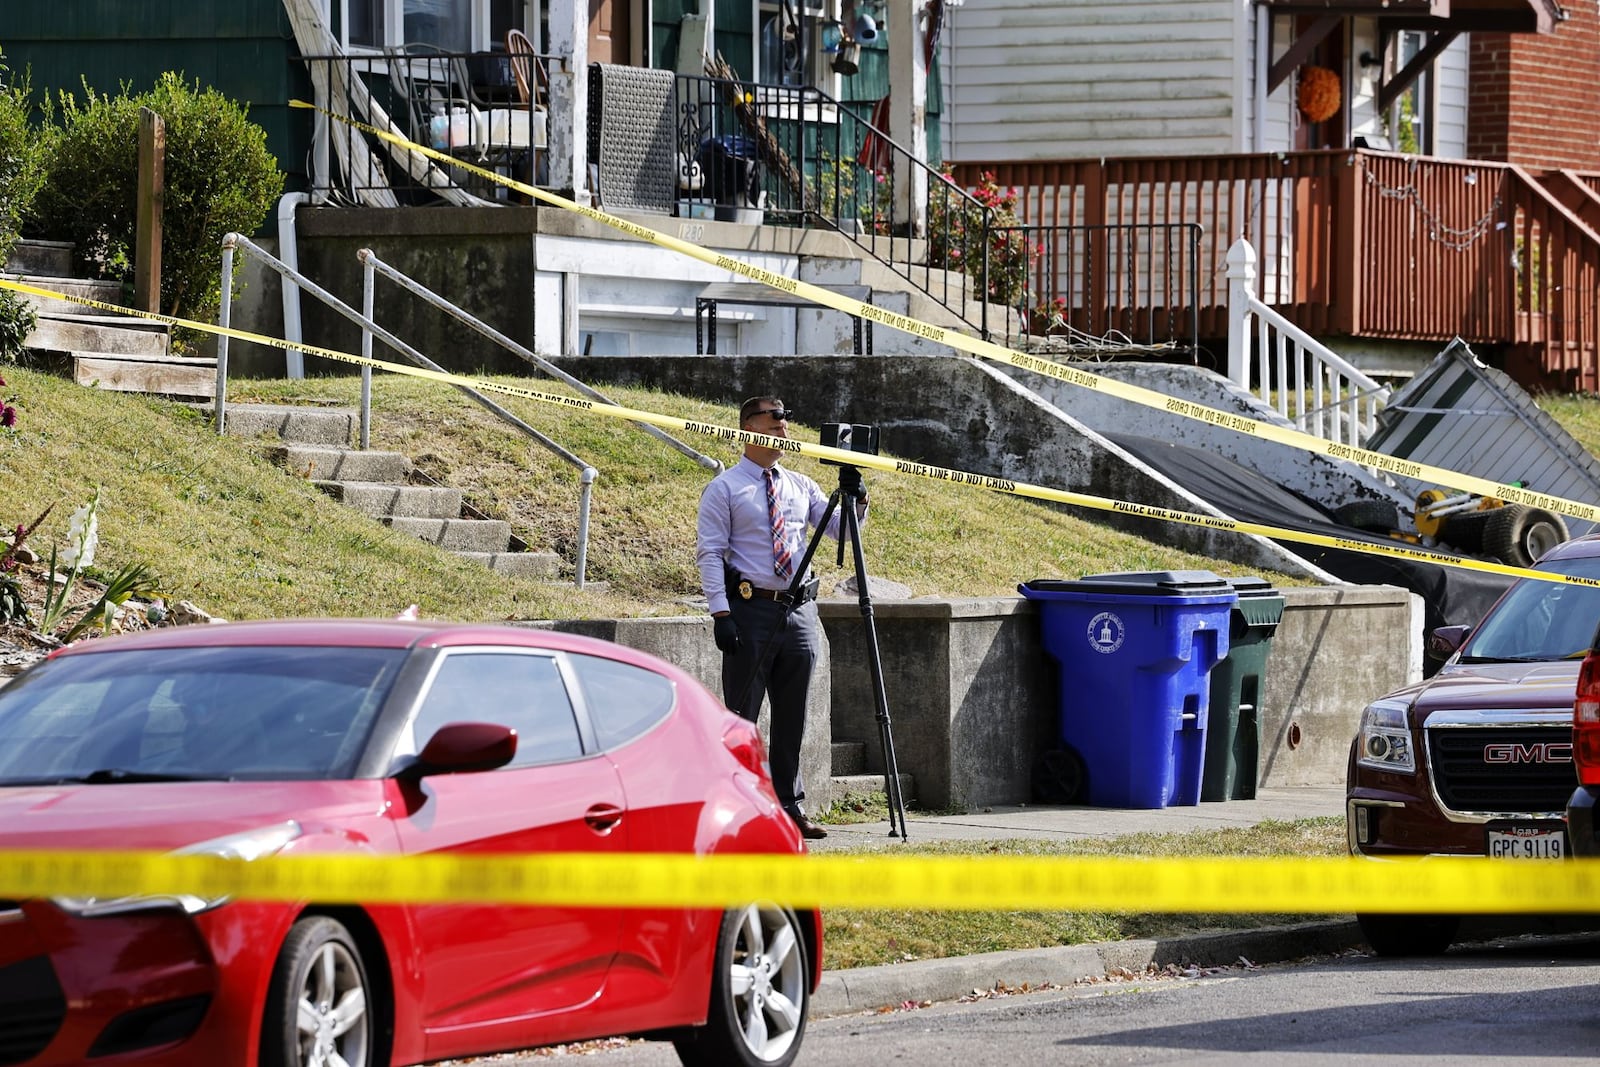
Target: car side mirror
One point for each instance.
(1444, 640)
(461, 747)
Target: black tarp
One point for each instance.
(1451, 595)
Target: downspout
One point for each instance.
(294, 359)
(1259, 81)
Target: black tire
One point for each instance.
(1058, 777)
(319, 1002)
(1463, 531)
(1375, 516)
(1519, 535)
(760, 993)
(1409, 935)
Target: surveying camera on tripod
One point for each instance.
(860, 437)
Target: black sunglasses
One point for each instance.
(780, 414)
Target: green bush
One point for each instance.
(23, 152)
(219, 177)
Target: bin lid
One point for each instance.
(1134, 583)
(1259, 603)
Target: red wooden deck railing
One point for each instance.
(1366, 244)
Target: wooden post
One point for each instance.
(152, 191)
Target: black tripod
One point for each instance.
(846, 496)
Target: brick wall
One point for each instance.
(1534, 99)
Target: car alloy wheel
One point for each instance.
(759, 993)
(317, 1008)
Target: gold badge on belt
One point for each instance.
(746, 591)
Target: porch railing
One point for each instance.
(813, 161)
(1302, 378)
(1361, 244)
(1125, 289)
(462, 103)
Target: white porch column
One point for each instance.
(568, 124)
(1241, 286)
(908, 110)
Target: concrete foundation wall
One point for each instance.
(973, 697)
(953, 412)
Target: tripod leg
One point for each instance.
(897, 805)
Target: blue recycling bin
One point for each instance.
(1135, 651)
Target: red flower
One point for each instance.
(8, 415)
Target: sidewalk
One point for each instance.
(867, 988)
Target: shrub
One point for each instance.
(23, 152)
(219, 177)
(957, 226)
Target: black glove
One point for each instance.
(850, 481)
(726, 633)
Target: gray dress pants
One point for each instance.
(784, 678)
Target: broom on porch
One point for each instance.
(772, 152)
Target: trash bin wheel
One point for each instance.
(1519, 535)
(1058, 777)
(1409, 935)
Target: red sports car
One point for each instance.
(383, 738)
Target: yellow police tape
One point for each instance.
(1397, 549)
(989, 350)
(975, 883)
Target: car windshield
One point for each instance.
(181, 714)
(1537, 621)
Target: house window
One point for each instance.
(789, 45)
(1411, 117)
(452, 25)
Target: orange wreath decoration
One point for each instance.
(1318, 96)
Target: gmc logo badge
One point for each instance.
(1544, 752)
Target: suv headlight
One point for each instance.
(1385, 737)
(249, 845)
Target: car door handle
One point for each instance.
(603, 818)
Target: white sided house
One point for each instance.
(1078, 79)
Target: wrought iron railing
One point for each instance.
(1110, 290)
(792, 155)
(466, 104)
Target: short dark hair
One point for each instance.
(752, 407)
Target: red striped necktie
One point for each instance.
(782, 564)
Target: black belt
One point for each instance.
(744, 590)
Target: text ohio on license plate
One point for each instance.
(1526, 842)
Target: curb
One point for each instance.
(859, 989)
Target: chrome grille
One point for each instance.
(1466, 782)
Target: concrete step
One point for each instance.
(341, 464)
(849, 757)
(305, 425)
(99, 333)
(194, 377)
(71, 291)
(519, 564)
(380, 499)
(873, 783)
(479, 536)
(40, 258)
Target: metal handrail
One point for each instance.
(1109, 287)
(370, 329)
(825, 165)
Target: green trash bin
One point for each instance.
(1238, 682)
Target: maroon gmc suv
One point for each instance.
(1477, 760)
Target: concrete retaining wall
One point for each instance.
(972, 696)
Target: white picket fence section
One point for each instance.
(1306, 381)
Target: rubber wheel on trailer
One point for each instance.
(760, 982)
(1409, 935)
(1058, 777)
(1520, 535)
(320, 1005)
(1375, 516)
(1464, 530)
